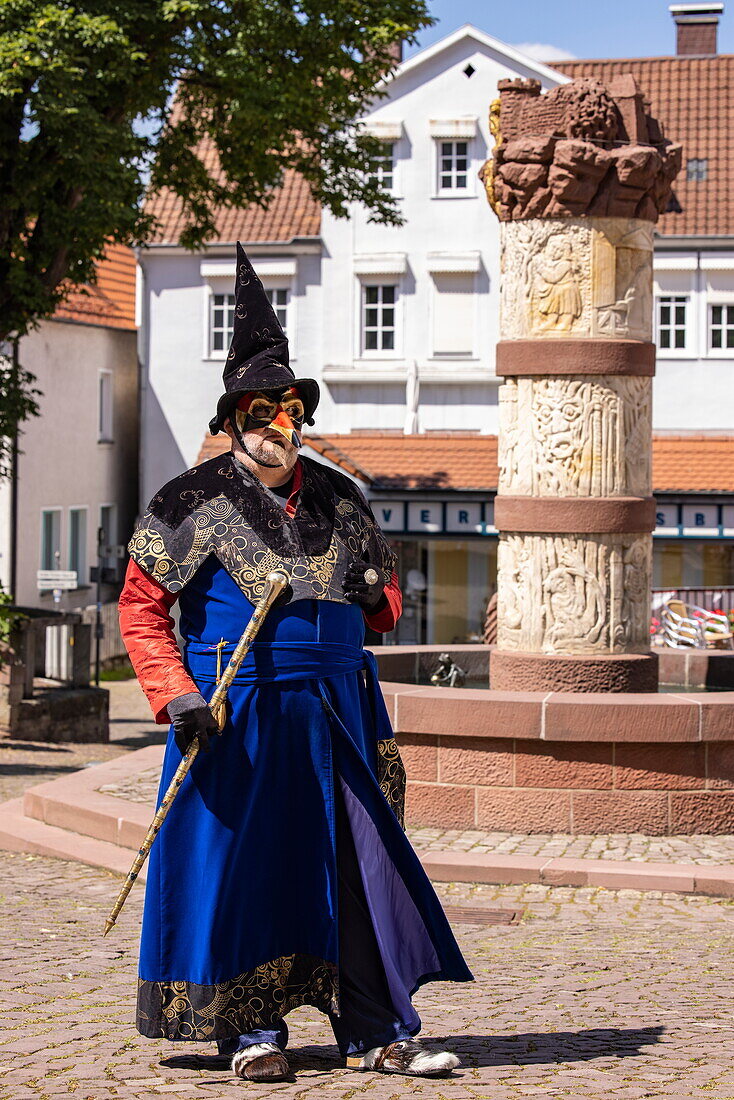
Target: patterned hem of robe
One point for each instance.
(260, 998)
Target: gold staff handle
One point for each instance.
(274, 584)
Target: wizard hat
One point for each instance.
(258, 354)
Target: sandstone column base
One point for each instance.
(618, 672)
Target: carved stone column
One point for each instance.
(578, 178)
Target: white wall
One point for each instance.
(693, 388)
(182, 382)
(437, 89)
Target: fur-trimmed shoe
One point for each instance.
(261, 1062)
(406, 1056)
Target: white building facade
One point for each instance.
(399, 324)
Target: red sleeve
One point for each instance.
(147, 630)
(385, 619)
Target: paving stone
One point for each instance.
(596, 994)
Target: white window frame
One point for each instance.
(453, 192)
(371, 354)
(378, 171)
(217, 287)
(276, 283)
(43, 563)
(82, 566)
(105, 406)
(212, 292)
(676, 298)
(727, 307)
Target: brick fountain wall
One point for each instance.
(540, 762)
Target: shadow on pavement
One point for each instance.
(143, 740)
(537, 1048)
(324, 1059)
(38, 746)
(36, 769)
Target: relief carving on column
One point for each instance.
(574, 436)
(566, 594)
(576, 277)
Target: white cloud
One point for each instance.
(541, 51)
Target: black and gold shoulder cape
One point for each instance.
(220, 508)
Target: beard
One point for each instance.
(270, 452)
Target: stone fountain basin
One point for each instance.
(544, 762)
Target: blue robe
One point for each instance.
(240, 919)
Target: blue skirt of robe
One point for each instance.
(240, 918)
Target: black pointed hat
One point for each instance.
(258, 354)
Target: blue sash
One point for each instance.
(286, 662)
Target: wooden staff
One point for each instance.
(274, 584)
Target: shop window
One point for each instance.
(379, 304)
(454, 307)
(382, 167)
(691, 563)
(672, 321)
(453, 167)
(721, 327)
(78, 543)
(51, 538)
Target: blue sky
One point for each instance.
(578, 28)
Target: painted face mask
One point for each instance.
(283, 414)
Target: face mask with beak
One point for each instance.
(281, 412)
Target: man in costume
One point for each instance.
(282, 875)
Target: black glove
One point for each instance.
(191, 718)
(356, 588)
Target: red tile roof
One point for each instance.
(292, 212)
(110, 302)
(693, 97)
(444, 460)
(693, 463)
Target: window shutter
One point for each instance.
(453, 314)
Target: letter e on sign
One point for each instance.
(425, 515)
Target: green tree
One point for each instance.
(103, 100)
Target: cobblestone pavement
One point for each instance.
(594, 995)
(25, 763)
(633, 846)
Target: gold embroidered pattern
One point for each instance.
(259, 998)
(391, 777)
(218, 527)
